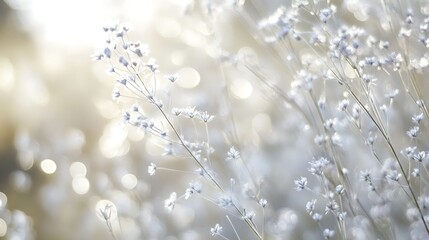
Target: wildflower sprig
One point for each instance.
(137, 80)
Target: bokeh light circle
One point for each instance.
(48, 166)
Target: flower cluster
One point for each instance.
(353, 101)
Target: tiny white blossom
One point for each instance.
(263, 202)
(420, 156)
(170, 202)
(151, 64)
(408, 152)
(328, 233)
(205, 117)
(216, 230)
(224, 201)
(412, 132)
(194, 187)
(417, 118)
(317, 217)
(126, 116)
(189, 112)
(116, 94)
(173, 77)
(151, 169)
(249, 215)
(107, 52)
(123, 61)
(326, 13)
(342, 106)
(232, 154)
(301, 184)
(176, 111)
(317, 166)
(416, 172)
(339, 189)
(309, 207)
(332, 206)
(394, 175)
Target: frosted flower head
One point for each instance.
(301, 184)
(317, 166)
(412, 132)
(417, 118)
(151, 169)
(309, 207)
(332, 206)
(107, 53)
(365, 175)
(328, 233)
(341, 216)
(189, 112)
(299, 3)
(263, 202)
(224, 201)
(232, 154)
(420, 156)
(170, 202)
(339, 189)
(172, 77)
(249, 215)
(123, 61)
(326, 13)
(176, 111)
(424, 202)
(194, 187)
(416, 172)
(151, 64)
(409, 151)
(205, 117)
(393, 175)
(342, 106)
(279, 24)
(383, 45)
(126, 116)
(320, 140)
(216, 230)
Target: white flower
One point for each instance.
(328, 233)
(263, 202)
(224, 201)
(116, 94)
(170, 202)
(412, 132)
(249, 215)
(326, 13)
(172, 77)
(232, 154)
(205, 117)
(309, 207)
(216, 230)
(301, 184)
(417, 118)
(194, 187)
(394, 175)
(151, 169)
